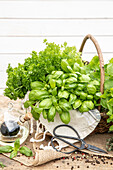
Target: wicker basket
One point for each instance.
(103, 126)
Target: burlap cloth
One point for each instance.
(44, 156)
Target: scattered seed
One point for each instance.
(78, 166)
(97, 162)
(110, 163)
(80, 159)
(67, 163)
(86, 161)
(72, 159)
(77, 156)
(72, 168)
(87, 166)
(59, 159)
(99, 156)
(57, 166)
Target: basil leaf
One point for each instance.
(84, 78)
(93, 65)
(111, 128)
(108, 83)
(51, 113)
(103, 103)
(72, 98)
(63, 94)
(56, 74)
(46, 103)
(111, 90)
(110, 69)
(65, 117)
(6, 149)
(17, 144)
(26, 151)
(77, 104)
(13, 154)
(37, 85)
(35, 114)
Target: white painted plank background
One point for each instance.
(56, 9)
(52, 27)
(27, 44)
(24, 25)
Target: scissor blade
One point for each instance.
(91, 147)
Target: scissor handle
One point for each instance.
(52, 140)
(63, 136)
(60, 137)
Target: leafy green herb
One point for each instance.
(58, 78)
(65, 117)
(13, 154)
(17, 144)
(36, 67)
(14, 150)
(63, 91)
(25, 151)
(6, 149)
(2, 165)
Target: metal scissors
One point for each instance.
(83, 145)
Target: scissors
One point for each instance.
(84, 145)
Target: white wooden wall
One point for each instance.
(24, 25)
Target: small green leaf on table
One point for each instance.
(2, 165)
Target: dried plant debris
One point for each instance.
(109, 144)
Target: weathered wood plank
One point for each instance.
(28, 44)
(56, 9)
(60, 28)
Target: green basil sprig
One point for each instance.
(14, 150)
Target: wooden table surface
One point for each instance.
(75, 162)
